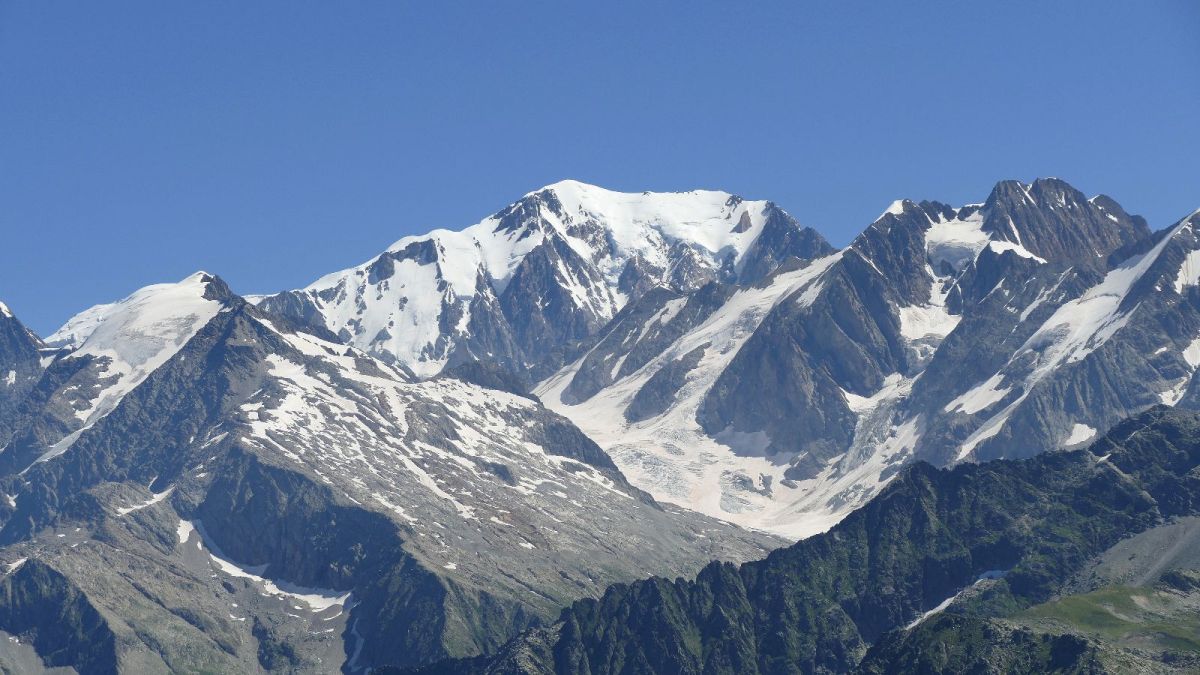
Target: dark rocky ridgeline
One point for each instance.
(542, 310)
(782, 238)
(57, 618)
(658, 394)
(640, 332)
(489, 338)
(1057, 222)
(151, 435)
(367, 492)
(490, 375)
(805, 353)
(953, 643)
(1046, 384)
(20, 365)
(1013, 533)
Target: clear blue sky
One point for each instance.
(272, 142)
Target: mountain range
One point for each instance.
(420, 461)
(731, 361)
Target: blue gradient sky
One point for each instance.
(272, 142)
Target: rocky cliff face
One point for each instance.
(20, 356)
(1054, 221)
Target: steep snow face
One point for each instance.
(400, 315)
(951, 243)
(132, 338)
(1081, 326)
(413, 304)
(72, 333)
(931, 320)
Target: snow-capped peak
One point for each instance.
(708, 218)
(5, 311)
(632, 223)
(597, 249)
(146, 305)
(133, 337)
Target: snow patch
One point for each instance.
(1191, 353)
(1173, 395)
(154, 499)
(990, 574)
(1079, 434)
(1001, 246)
(317, 599)
(927, 321)
(1189, 271)
(931, 319)
(980, 396)
(987, 430)
(896, 208)
(956, 242)
(894, 386)
(184, 531)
